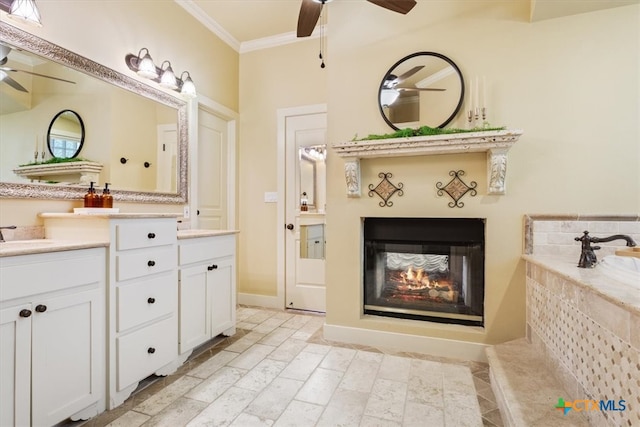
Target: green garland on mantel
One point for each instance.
(54, 160)
(426, 131)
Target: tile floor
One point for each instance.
(279, 371)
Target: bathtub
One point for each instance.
(621, 268)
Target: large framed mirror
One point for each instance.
(421, 89)
(122, 117)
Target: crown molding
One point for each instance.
(278, 40)
(210, 23)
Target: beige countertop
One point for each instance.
(38, 246)
(192, 234)
(107, 215)
(619, 293)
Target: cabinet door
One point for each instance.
(66, 355)
(222, 286)
(15, 365)
(194, 325)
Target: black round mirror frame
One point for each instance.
(81, 124)
(408, 57)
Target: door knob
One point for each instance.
(289, 226)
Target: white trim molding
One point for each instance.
(440, 347)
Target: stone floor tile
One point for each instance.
(421, 415)
(344, 409)
(320, 386)
(277, 336)
(261, 375)
(275, 398)
(225, 408)
(338, 359)
(387, 400)
(129, 419)
(288, 350)
(251, 357)
(158, 401)
(368, 421)
(214, 386)
(299, 414)
(302, 366)
(178, 413)
(248, 420)
(208, 368)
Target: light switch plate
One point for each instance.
(270, 197)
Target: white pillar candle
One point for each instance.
(470, 98)
(477, 95)
(484, 92)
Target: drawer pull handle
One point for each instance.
(41, 308)
(151, 263)
(212, 267)
(151, 350)
(151, 235)
(25, 313)
(151, 300)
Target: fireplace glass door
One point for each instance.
(425, 269)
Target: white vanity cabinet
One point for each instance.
(207, 277)
(52, 334)
(142, 293)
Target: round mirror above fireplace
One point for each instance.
(421, 89)
(66, 135)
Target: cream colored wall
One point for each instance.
(282, 77)
(105, 32)
(570, 83)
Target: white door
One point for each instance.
(213, 150)
(305, 146)
(166, 180)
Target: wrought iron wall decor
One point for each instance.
(456, 188)
(385, 189)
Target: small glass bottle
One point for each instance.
(107, 198)
(304, 206)
(91, 197)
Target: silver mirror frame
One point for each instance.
(30, 43)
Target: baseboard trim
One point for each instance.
(260, 300)
(440, 347)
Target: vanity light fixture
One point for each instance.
(188, 88)
(168, 78)
(164, 76)
(25, 10)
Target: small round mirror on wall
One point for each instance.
(66, 135)
(421, 89)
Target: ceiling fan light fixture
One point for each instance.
(188, 89)
(26, 11)
(168, 78)
(388, 96)
(146, 67)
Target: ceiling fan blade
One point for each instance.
(308, 18)
(13, 70)
(14, 84)
(400, 6)
(406, 75)
(420, 88)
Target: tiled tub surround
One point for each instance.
(584, 325)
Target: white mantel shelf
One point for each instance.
(82, 172)
(495, 143)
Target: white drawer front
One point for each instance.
(145, 234)
(142, 352)
(145, 300)
(205, 248)
(138, 264)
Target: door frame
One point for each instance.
(231, 117)
(281, 218)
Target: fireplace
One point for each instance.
(428, 269)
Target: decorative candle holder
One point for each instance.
(35, 156)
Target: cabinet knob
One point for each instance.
(40, 308)
(151, 300)
(151, 235)
(151, 263)
(151, 350)
(25, 313)
(212, 267)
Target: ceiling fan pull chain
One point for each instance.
(322, 37)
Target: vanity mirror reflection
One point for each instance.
(421, 89)
(121, 117)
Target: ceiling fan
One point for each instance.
(5, 78)
(392, 81)
(310, 12)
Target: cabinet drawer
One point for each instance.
(145, 300)
(130, 265)
(141, 353)
(145, 234)
(206, 248)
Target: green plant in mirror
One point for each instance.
(427, 131)
(56, 160)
